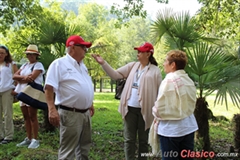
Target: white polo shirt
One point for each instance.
(71, 83)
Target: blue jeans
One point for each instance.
(172, 147)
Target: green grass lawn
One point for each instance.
(222, 109)
(107, 128)
(107, 133)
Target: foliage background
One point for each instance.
(211, 38)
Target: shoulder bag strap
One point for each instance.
(42, 75)
(33, 67)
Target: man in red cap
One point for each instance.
(68, 78)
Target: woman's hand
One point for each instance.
(14, 93)
(28, 78)
(98, 58)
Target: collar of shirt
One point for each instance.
(73, 61)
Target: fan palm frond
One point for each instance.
(163, 23)
(212, 70)
(51, 32)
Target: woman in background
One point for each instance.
(29, 72)
(7, 69)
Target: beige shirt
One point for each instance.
(176, 98)
(176, 101)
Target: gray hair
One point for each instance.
(67, 50)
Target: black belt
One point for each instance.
(73, 109)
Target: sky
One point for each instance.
(152, 6)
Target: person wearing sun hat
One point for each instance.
(28, 72)
(7, 69)
(32, 49)
(138, 97)
(68, 78)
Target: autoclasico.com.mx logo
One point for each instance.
(192, 154)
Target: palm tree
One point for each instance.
(213, 71)
(209, 67)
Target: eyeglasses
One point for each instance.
(82, 46)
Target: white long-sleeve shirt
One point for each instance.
(6, 75)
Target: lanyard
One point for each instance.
(138, 74)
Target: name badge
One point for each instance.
(135, 85)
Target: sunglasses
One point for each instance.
(82, 46)
(31, 54)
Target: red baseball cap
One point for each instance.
(75, 40)
(146, 47)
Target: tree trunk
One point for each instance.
(201, 114)
(236, 120)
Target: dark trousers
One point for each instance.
(173, 147)
(134, 125)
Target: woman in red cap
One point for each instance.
(138, 97)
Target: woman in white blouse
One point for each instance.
(29, 72)
(7, 68)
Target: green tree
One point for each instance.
(132, 36)
(18, 12)
(220, 18)
(132, 8)
(216, 17)
(99, 29)
(48, 30)
(207, 63)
